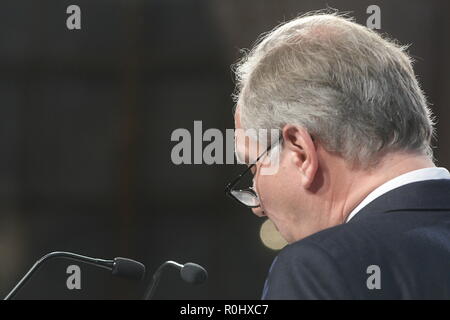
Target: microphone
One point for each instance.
(121, 267)
(190, 272)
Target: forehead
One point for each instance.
(237, 118)
(246, 146)
(239, 143)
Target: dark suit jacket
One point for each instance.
(405, 232)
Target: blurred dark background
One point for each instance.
(85, 123)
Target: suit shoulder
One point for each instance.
(380, 233)
(354, 244)
(302, 271)
(339, 239)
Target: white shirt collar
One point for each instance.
(409, 177)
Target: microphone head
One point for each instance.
(193, 273)
(128, 268)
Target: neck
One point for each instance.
(360, 183)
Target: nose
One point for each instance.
(259, 212)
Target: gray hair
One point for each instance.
(349, 87)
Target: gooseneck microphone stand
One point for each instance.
(107, 264)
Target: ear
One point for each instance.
(303, 152)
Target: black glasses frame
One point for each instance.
(230, 186)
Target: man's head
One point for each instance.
(350, 112)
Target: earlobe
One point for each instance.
(298, 141)
(310, 170)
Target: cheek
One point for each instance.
(273, 191)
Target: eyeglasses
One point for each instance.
(247, 197)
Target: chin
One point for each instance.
(292, 236)
(289, 239)
(284, 233)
